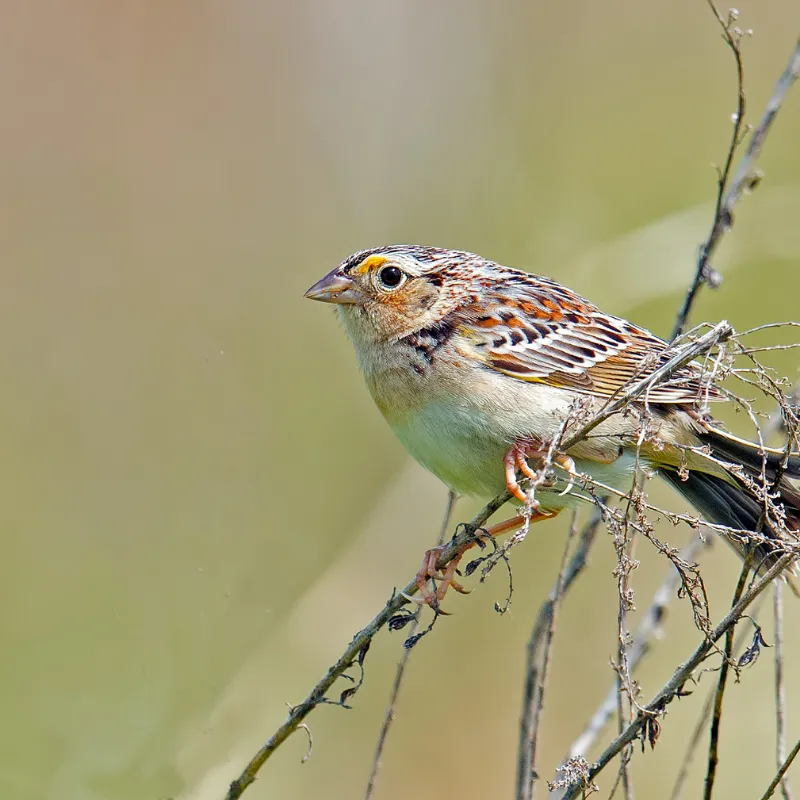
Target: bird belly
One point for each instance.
(464, 452)
(461, 431)
(458, 448)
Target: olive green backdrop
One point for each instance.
(199, 503)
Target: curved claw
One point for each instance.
(568, 465)
(512, 484)
(515, 459)
(446, 577)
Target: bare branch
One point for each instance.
(542, 637)
(648, 628)
(353, 652)
(727, 196)
(781, 772)
(705, 714)
(683, 355)
(704, 272)
(540, 682)
(401, 667)
(624, 544)
(716, 719)
(648, 714)
(780, 691)
(746, 176)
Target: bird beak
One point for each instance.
(335, 288)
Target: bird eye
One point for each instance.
(391, 277)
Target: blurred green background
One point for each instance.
(200, 503)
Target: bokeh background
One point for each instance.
(200, 504)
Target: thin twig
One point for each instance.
(388, 718)
(649, 627)
(705, 715)
(781, 772)
(693, 746)
(704, 272)
(716, 719)
(541, 680)
(624, 542)
(542, 636)
(780, 691)
(744, 179)
(350, 657)
(649, 713)
(746, 176)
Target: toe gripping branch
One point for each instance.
(444, 579)
(516, 461)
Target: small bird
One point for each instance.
(476, 367)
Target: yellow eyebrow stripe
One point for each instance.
(369, 263)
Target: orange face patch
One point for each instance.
(368, 264)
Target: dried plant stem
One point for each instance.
(705, 715)
(727, 196)
(781, 772)
(540, 682)
(716, 719)
(625, 688)
(642, 641)
(672, 688)
(745, 177)
(683, 355)
(541, 640)
(388, 718)
(704, 272)
(357, 647)
(693, 746)
(780, 691)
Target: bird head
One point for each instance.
(389, 292)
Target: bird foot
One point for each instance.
(443, 579)
(516, 460)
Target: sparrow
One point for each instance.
(477, 367)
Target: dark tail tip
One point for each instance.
(736, 507)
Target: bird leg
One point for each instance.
(446, 576)
(516, 459)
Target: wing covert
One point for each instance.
(541, 332)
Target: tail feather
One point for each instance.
(728, 500)
(739, 451)
(716, 499)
